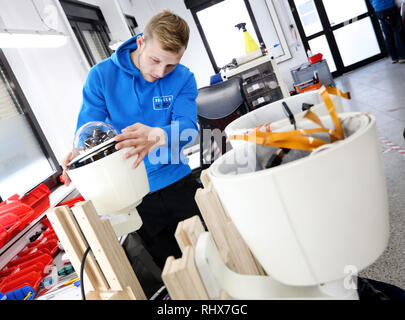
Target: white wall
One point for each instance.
(115, 19)
(52, 79)
(195, 57)
(297, 50)
(142, 10)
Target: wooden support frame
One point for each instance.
(182, 279)
(181, 276)
(75, 244)
(232, 248)
(108, 275)
(188, 231)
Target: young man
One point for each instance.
(146, 94)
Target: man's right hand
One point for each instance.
(68, 158)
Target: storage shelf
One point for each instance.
(19, 241)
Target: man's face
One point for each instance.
(154, 62)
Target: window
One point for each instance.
(90, 29)
(26, 159)
(216, 21)
(94, 42)
(348, 36)
(132, 24)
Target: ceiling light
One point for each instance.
(31, 39)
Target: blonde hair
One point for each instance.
(169, 29)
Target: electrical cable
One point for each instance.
(277, 157)
(82, 272)
(289, 114)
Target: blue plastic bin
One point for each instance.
(21, 293)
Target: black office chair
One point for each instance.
(217, 106)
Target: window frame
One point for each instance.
(327, 31)
(83, 15)
(53, 180)
(279, 31)
(201, 6)
(132, 24)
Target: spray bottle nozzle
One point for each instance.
(241, 26)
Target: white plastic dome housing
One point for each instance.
(91, 135)
(103, 175)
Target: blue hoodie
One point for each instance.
(115, 92)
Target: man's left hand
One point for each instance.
(141, 139)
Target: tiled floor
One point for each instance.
(379, 88)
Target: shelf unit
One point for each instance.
(261, 81)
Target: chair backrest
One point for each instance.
(217, 106)
(220, 104)
(220, 99)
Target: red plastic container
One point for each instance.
(44, 237)
(16, 213)
(38, 199)
(50, 233)
(19, 272)
(49, 246)
(24, 268)
(70, 203)
(8, 219)
(45, 221)
(14, 197)
(6, 273)
(37, 266)
(315, 58)
(14, 217)
(44, 258)
(32, 279)
(3, 236)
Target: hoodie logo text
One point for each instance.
(162, 103)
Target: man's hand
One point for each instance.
(66, 161)
(142, 139)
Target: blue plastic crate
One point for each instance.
(21, 293)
